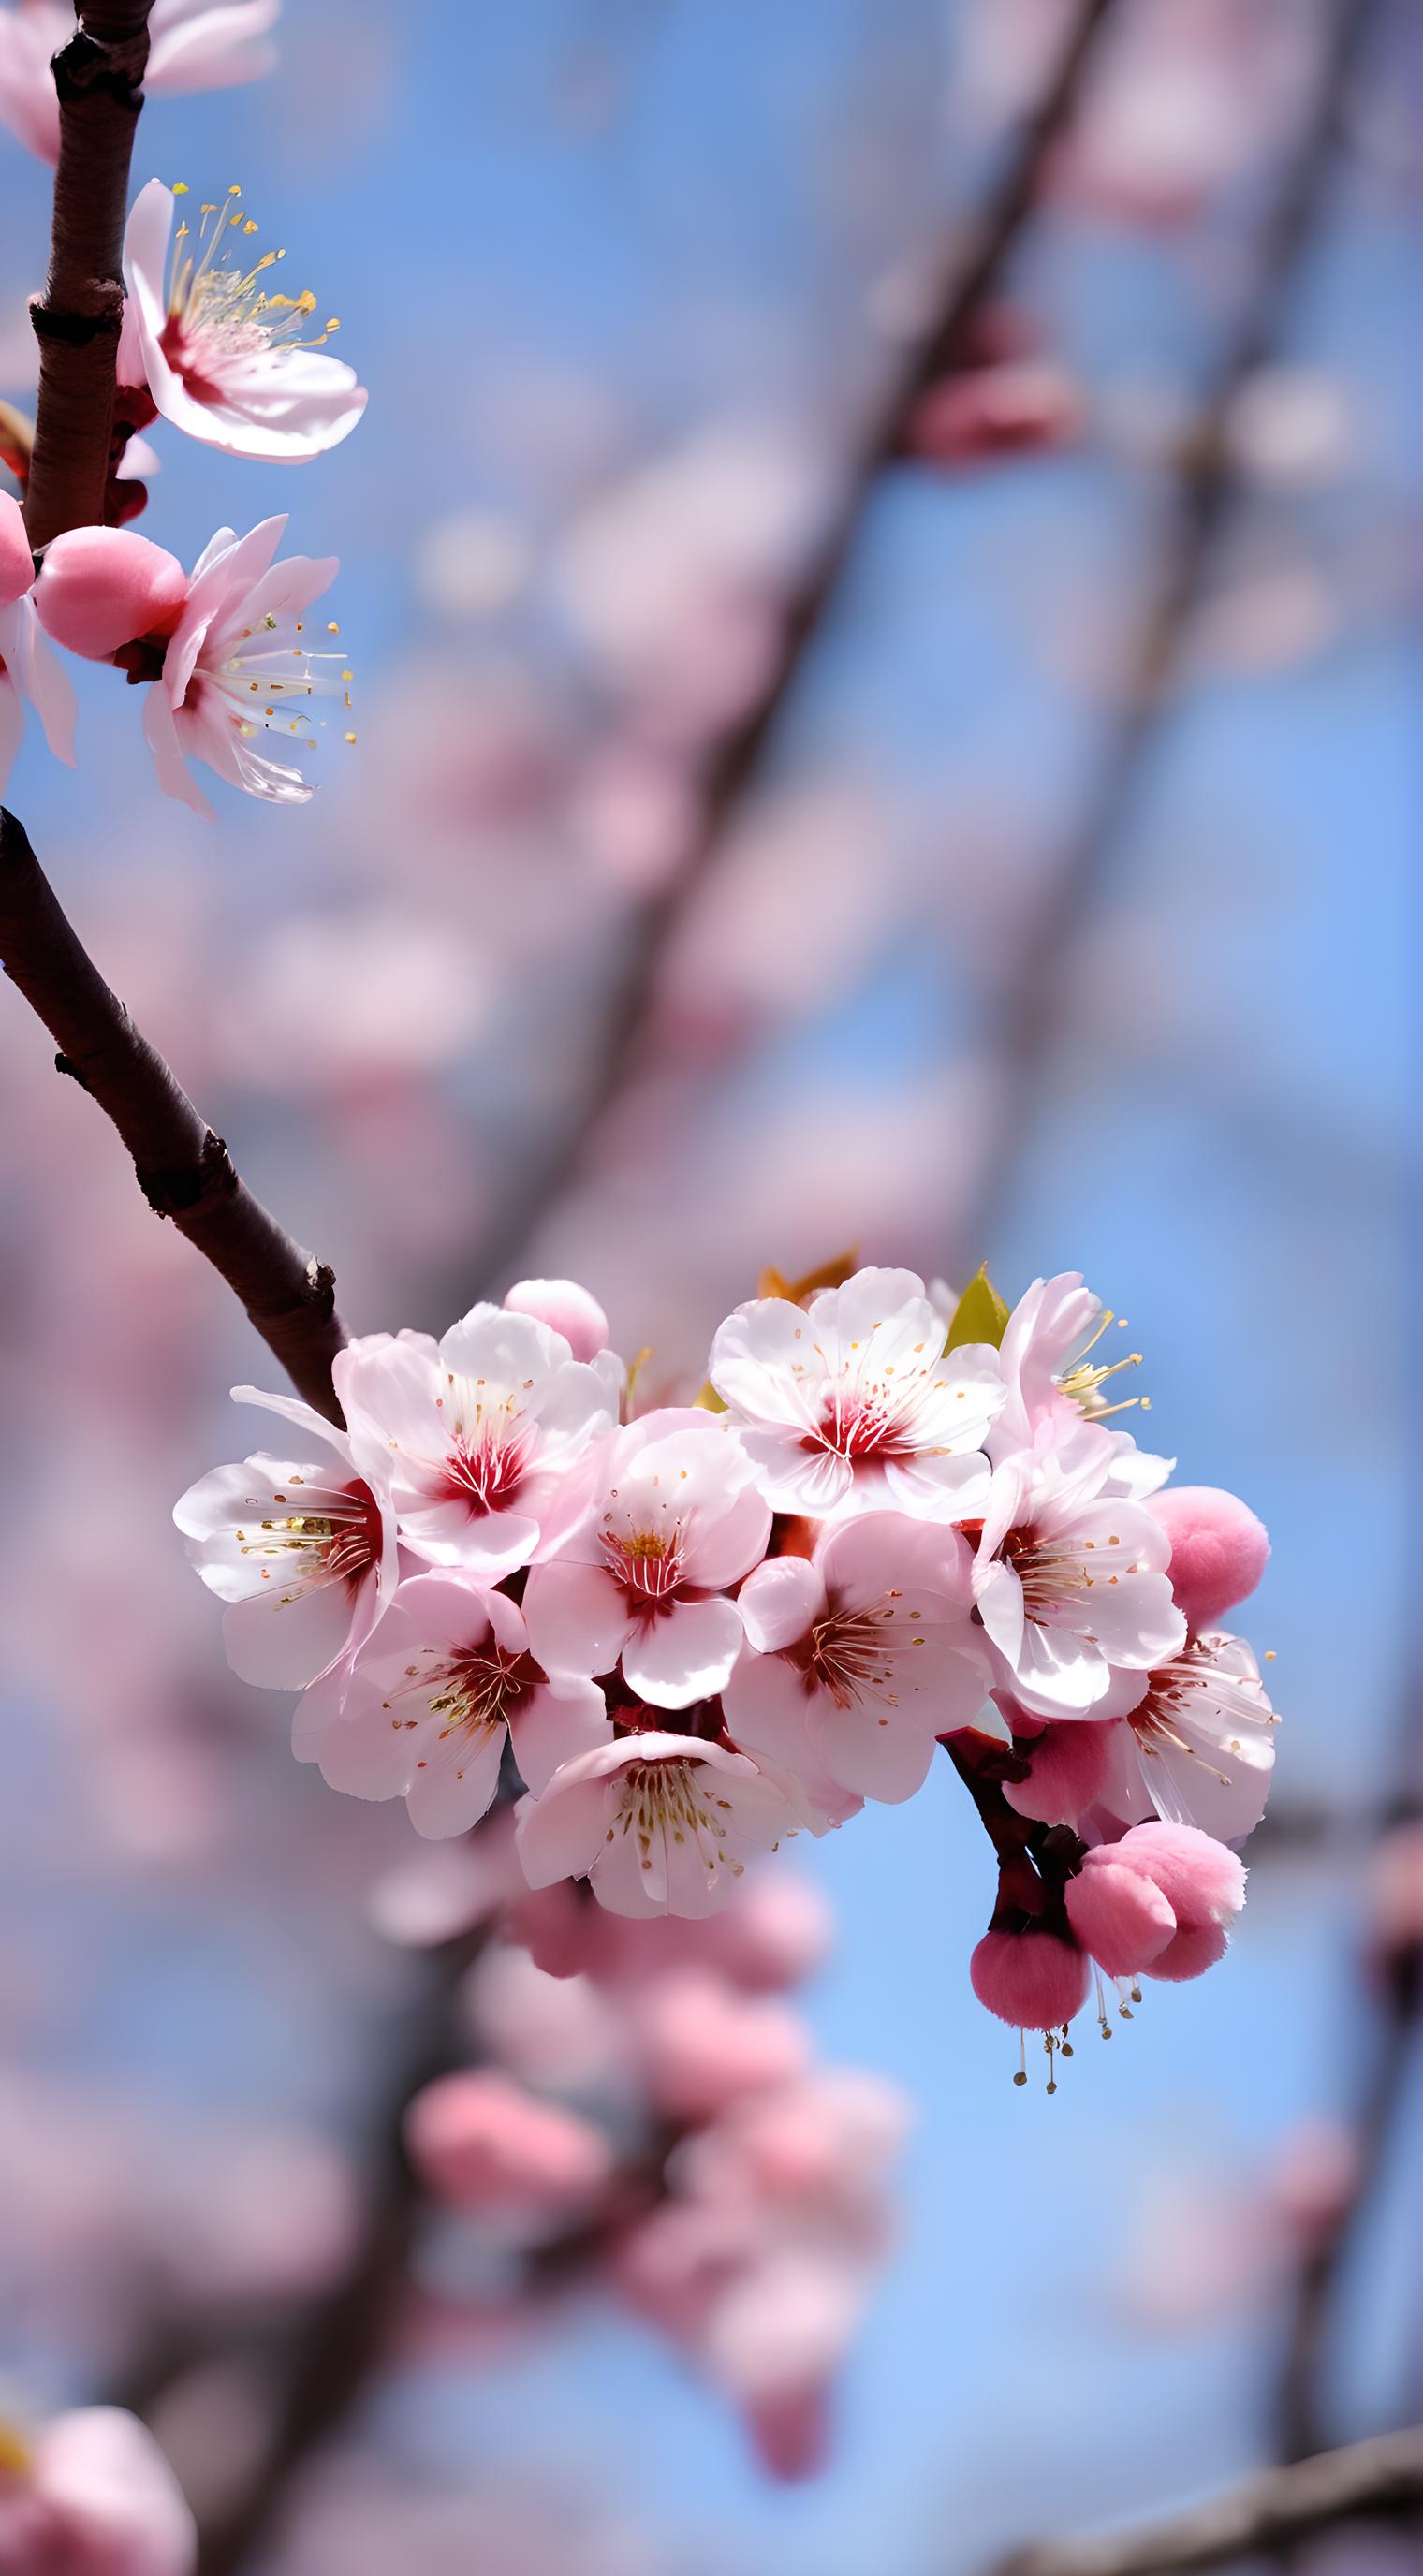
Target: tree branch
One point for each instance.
(1378, 2479)
(1031, 1010)
(98, 75)
(623, 1024)
(182, 1168)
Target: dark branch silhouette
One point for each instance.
(1380, 2480)
(182, 1168)
(98, 75)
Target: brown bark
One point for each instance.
(98, 75)
(182, 1168)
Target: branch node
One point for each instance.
(172, 1193)
(86, 65)
(76, 330)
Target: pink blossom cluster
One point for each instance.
(646, 2112)
(213, 345)
(693, 1632)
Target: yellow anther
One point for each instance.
(350, 737)
(179, 188)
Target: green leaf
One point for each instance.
(980, 1314)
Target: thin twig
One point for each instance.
(184, 1171)
(973, 278)
(1396, 1978)
(1381, 2479)
(1030, 1013)
(98, 75)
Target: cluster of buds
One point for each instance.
(646, 2113)
(887, 1522)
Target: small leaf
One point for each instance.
(980, 1314)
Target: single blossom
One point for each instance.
(477, 1433)
(193, 44)
(855, 1664)
(221, 356)
(1198, 1748)
(220, 647)
(28, 669)
(676, 1518)
(92, 2496)
(852, 1404)
(302, 1549)
(657, 1824)
(1056, 1371)
(424, 1709)
(1070, 1583)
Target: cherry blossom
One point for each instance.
(28, 669)
(855, 1664)
(1069, 1583)
(221, 653)
(1051, 1375)
(221, 357)
(676, 1519)
(852, 1404)
(302, 1549)
(92, 2496)
(1199, 1748)
(193, 44)
(424, 1709)
(476, 1433)
(658, 1824)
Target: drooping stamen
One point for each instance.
(665, 1798)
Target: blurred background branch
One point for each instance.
(1379, 2480)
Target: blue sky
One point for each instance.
(661, 200)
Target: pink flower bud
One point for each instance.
(1218, 1550)
(1118, 1914)
(1070, 1766)
(565, 1308)
(17, 569)
(1193, 1880)
(791, 2430)
(481, 2142)
(102, 588)
(1022, 404)
(1035, 1980)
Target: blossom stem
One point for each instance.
(98, 76)
(182, 1168)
